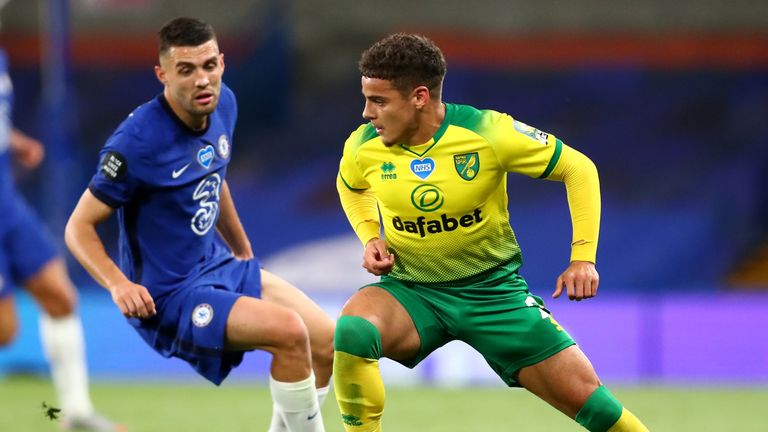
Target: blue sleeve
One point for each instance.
(115, 182)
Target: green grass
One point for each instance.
(170, 407)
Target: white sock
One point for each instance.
(322, 393)
(62, 340)
(297, 404)
(278, 424)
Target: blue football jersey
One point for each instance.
(7, 191)
(165, 179)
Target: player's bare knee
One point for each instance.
(58, 298)
(292, 335)
(59, 305)
(8, 331)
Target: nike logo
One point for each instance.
(177, 173)
(313, 415)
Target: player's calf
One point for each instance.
(604, 413)
(357, 379)
(322, 356)
(292, 382)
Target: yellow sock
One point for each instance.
(628, 423)
(359, 391)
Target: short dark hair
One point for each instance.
(184, 31)
(407, 60)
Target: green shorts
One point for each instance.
(492, 312)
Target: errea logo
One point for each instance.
(388, 171)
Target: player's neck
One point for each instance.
(430, 120)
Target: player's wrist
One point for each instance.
(114, 283)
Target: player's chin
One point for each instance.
(205, 109)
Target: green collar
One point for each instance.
(449, 110)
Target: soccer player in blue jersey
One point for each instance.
(188, 281)
(29, 258)
(433, 177)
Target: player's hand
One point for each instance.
(580, 280)
(28, 151)
(376, 258)
(133, 300)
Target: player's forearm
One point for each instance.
(362, 213)
(582, 184)
(235, 237)
(230, 228)
(85, 245)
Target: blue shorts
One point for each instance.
(25, 246)
(191, 322)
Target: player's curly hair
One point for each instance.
(407, 60)
(184, 31)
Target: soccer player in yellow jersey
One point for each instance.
(433, 176)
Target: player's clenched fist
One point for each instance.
(580, 280)
(376, 258)
(133, 300)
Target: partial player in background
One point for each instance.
(435, 175)
(29, 258)
(188, 281)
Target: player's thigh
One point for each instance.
(52, 288)
(511, 330)
(257, 324)
(278, 291)
(399, 338)
(8, 319)
(564, 380)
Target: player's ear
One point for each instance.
(420, 96)
(221, 61)
(160, 74)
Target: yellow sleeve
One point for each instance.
(361, 210)
(582, 186)
(357, 200)
(521, 148)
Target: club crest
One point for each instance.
(223, 146)
(202, 315)
(467, 165)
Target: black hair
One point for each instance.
(407, 60)
(184, 31)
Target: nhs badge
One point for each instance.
(205, 156)
(422, 167)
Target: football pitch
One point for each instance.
(168, 406)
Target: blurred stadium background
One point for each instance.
(670, 99)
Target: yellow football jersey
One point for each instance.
(443, 204)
